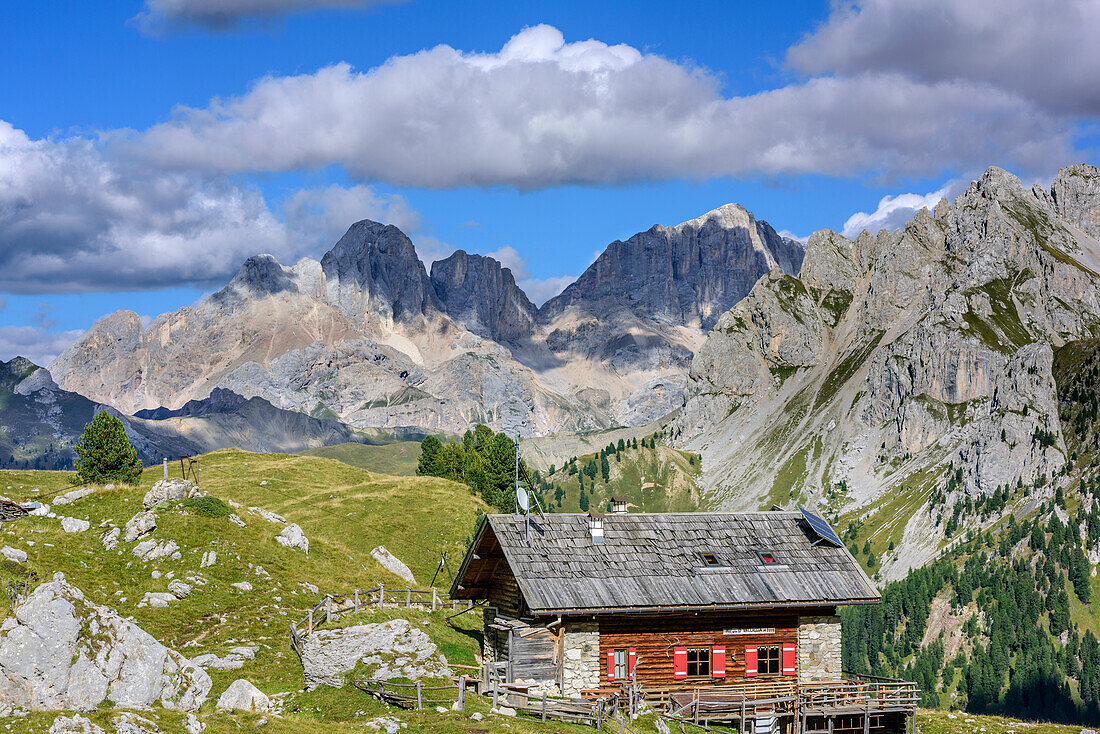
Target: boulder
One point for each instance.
(209, 558)
(166, 490)
(157, 599)
(390, 650)
(268, 515)
(243, 585)
(110, 538)
(293, 537)
(140, 524)
(61, 651)
(243, 696)
(75, 724)
(73, 496)
(392, 563)
(74, 525)
(193, 725)
(150, 550)
(14, 554)
(179, 589)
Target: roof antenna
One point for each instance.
(523, 499)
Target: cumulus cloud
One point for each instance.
(159, 16)
(75, 217)
(895, 210)
(38, 344)
(1042, 50)
(603, 114)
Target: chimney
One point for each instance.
(618, 505)
(595, 526)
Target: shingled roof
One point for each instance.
(656, 561)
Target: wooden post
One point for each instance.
(419, 696)
(357, 600)
(461, 693)
(495, 693)
(544, 707)
(829, 724)
(867, 717)
(311, 621)
(328, 608)
(435, 599)
(381, 594)
(408, 596)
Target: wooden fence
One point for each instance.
(378, 597)
(415, 696)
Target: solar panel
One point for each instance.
(820, 527)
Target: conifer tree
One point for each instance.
(105, 453)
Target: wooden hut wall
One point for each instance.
(655, 636)
(504, 593)
(534, 657)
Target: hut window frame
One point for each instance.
(767, 558)
(711, 560)
(769, 660)
(698, 662)
(620, 658)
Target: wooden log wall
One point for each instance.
(654, 637)
(504, 592)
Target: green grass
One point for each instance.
(397, 458)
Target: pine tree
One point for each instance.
(105, 453)
(428, 463)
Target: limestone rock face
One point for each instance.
(139, 525)
(61, 651)
(1075, 194)
(482, 295)
(895, 360)
(389, 650)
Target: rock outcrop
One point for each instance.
(393, 564)
(166, 490)
(482, 295)
(388, 650)
(61, 651)
(241, 695)
(893, 361)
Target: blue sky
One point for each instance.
(147, 148)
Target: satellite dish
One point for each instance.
(522, 500)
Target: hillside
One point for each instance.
(397, 458)
(903, 375)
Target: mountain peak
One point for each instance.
(482, 294)
(726, 216)
(260, 275)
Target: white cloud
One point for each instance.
(1044, 50)
(791, 235)
(39, 345)
(602, 114)
(895, 210)
(75, 217)
(159, 16)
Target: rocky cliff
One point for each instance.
(903, 365)
(367, 336)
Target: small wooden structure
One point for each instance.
(722, 617)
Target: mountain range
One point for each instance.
(369, 336)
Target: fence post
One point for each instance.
(328, 608)
(357, 600)
(419, 696)
(461, 693)
(381, 594)
(435, 599)
(544, 707)
(494, 693)
(311, 621)
(408, 596)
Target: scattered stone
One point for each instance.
(236, 520)
(61, 651)
(179, 589)
(243, 586)
(166, 490)
(441, 709)
(150, 550)
(293, 537)
(262, 721)
(193, 725)
(503, 711)
(243, 696)
(73, 496)
(388, 724)
(157, 599)
(477, 716)
(140, 524)
(108, 487)
(309, 587)
(74, 725)
(209, 558)
(14, 554)
(389, 650)
(74, 525)
(393, 564)
(110, 538)
(133, 724)
(267, 515)
(42, 509)
(213, 662)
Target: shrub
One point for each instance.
(209, 506)
(105, 453)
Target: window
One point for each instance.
(767, 659)
(711, 560)
(620, 665)
(767, 557)
(698, 662)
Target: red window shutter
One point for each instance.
(680, 662)
(718, 662)
(631, 661)
(789, 666)
(750, 661)
(611, 665)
